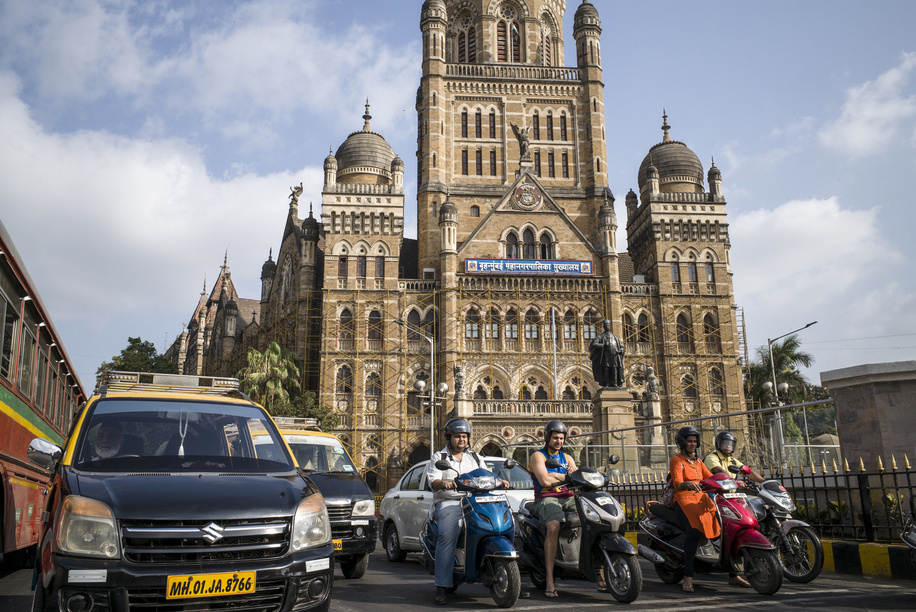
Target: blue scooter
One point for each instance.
(485, 552)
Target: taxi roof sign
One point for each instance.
(140, 382)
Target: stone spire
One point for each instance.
(366, 118)
(665, 126)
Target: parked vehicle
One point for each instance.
(158, 501)
(800, 550)
(404, 508)
(351, 506)
(741, 548)
(485, 551)
(909, 530)
(592, 544)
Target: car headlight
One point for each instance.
(311, 526)
(87, 527)
(364, 507)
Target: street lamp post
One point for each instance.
(420, 385)
(784, 387)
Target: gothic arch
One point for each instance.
(342, 247)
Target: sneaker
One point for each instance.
(441, 596)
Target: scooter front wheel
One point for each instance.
(762, 570)
(623, 577)
(507, 582)
(801, 554)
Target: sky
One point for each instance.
(141, 142)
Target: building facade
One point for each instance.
(515, 265)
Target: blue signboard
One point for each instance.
(526, 266)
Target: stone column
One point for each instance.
(612, 408)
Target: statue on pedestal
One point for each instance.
(606, 352)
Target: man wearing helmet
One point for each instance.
(447, 501)
(719, 460)
(551, 499)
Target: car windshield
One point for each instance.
(175, 436)
(518, 477)
(319, 453)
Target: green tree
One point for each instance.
(787, 358)
(272, 377)
(137, 356)
(306, 405)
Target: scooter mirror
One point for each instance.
(613, 459)
(442, 464)
(734, 469)
(552, 463)
(510, 463)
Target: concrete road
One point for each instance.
(403, 587)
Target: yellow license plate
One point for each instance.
(210, 585)
(338, 544)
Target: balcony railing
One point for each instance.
(570, 407)
(513, 72)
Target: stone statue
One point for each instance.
(459, 381)
(295, 192)
(606, 352)
(522, 135)
(651, 384)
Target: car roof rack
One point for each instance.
(303, 423)
(147, 382)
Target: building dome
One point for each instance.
(448, 210)
(586, 14)
(364, 153)
(679, 169)
(310, 227)
(269, 268)
(397, 164)
(433, 8)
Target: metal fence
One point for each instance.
(839, 502)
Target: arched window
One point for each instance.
(511, 246)
(374, 385)
(675, 272)
(526, 393)
(568, 393)
(546, 247)
(413, 326)
(430, 324)
(590, 325)
(512, 324)
(684, 336)
(472, 324)
(569, 325)
(689, 386)
(540, 393)
(462, 44)
(586, 394)
(536, 126)
(716, 382)
(642, 332)
(502, 42)
(475, 211)
(478, 131)
(344, 380)
(711, 334)
(516, 41)
(531, 324)
(529, 251)
(491, 330)
(375, 325)
(480, 393)
(710, 274)
(346, 324)
(545, 46)
(629, 330)
(472, 45)
(497, 392)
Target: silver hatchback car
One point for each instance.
(403, 511)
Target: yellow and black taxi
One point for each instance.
(351, 505)
(158, 501)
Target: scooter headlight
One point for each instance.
(729, 513)
(594, 479)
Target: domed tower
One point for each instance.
(330, 169)
(268, 271)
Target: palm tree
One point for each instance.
(272, 377)
(787, 358)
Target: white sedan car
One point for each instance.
(402, 512)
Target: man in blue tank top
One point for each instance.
(551, 499)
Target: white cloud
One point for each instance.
(805, 251)
(874, 112)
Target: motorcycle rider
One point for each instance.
(447, 502)
(551, 500)
(719, 460)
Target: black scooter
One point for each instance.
(591, 542)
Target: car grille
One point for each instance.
(204, 541)
(267, 597)
(340, 521)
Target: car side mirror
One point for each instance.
(44, 454)
(552, 463)
(443, 465)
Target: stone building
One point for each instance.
(515, 265)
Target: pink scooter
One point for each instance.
(741, 548)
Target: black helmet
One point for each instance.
(726, 436)
(457, 426)
(553, 426)
(680, 437)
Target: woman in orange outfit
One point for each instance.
(696, 511)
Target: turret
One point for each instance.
(632, 202)
(268, 270)
(715, 181)
(587, 33)
(448, 226)
(607, 225)
(433, 23)
(397, 174)
(330, 170)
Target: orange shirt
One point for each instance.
(697, 506)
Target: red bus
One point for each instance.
(39, 394)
